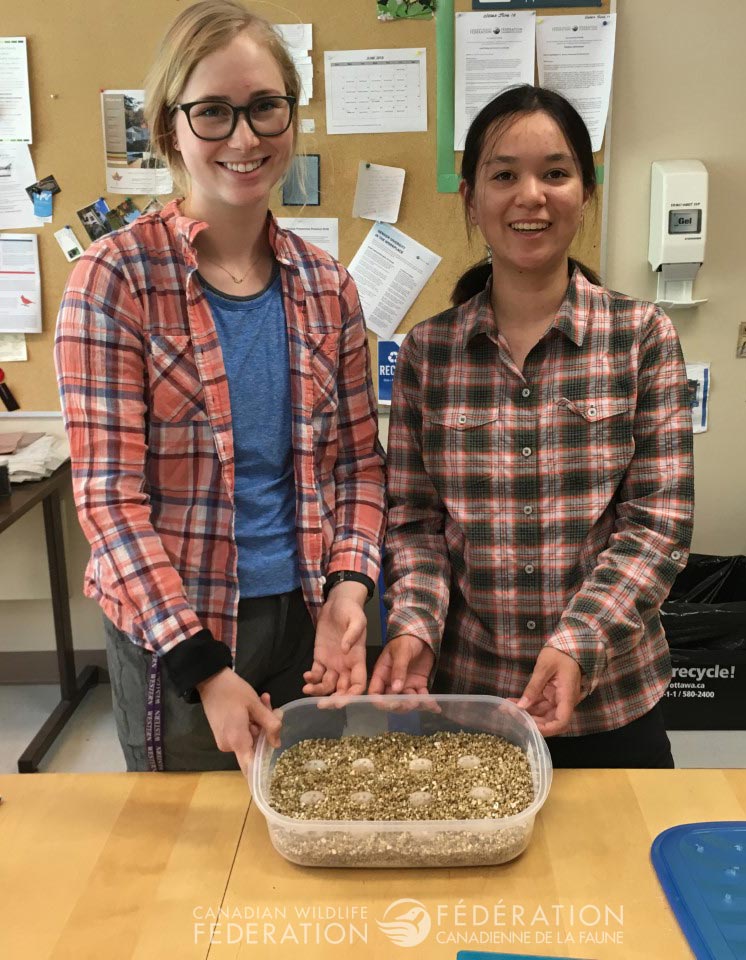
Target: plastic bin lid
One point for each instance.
(702, 869)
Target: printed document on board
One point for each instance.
(16, 173)
(20, 284)
(15, 102)
(130, 166)
(298, 38)
(390, 269)
(323, 232)
(576, 58)
(493, 51)
(376, 91)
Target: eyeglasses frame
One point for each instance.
(186, 107)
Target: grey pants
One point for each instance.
(274, 648)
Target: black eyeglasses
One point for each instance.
(216, 119)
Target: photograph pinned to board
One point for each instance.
(20, 283)
(390, 269)
(698, 381)
(131, 167)
(93, 218)
(40, 194)
(69, 243)
(405, 9)
(152, 206)
(122, 215)
(378, 192)
(302, 186)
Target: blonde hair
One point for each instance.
(198, 31)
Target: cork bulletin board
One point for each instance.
(78, 48)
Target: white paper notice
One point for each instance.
(20, 287)
(296, 36)
(130, 167)
(321, 231)
(16, 173)
(15, 103)
(576, 58)
(376, 91)
(698, 379)
(378, 192)
(493, 51)
(390, 269)
(13, 346)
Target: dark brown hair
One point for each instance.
(494, 117)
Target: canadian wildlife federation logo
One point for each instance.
(406, 923)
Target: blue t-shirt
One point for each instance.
(253, 339)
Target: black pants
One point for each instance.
(274, 647)
(642, 743)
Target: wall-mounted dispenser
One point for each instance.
(678, 225)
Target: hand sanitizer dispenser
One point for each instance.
(678, 223)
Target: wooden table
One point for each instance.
(139, 865)
(24, 497)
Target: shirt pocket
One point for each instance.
(461, 452)
(596, 432)
(176, 394)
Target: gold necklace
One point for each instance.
(236, 280)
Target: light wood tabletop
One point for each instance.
(155, 866)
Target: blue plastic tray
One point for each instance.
(702, 869)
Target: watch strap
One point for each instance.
(339, 576)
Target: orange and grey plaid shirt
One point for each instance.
(146, 406)
(549, 507)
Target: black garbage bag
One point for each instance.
(706, 608)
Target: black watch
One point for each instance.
(339, 576)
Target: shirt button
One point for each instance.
(462, 419)
(525, 392)
(322, 581)
(529, 568)
(530, 624)
(526, 451)
(676, 555)
(528, 510)
(592, 411)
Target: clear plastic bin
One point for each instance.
(403, 843)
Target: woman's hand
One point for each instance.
(403, 666)
(339, 651)
(553, 691)
(237, 715)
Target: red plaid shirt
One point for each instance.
(146, 406)
(552, 507)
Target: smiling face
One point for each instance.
(528, 195)
(241, 170)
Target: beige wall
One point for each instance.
(679, 87)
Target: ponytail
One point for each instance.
(589, 274)
(475, 279)
(471, 283)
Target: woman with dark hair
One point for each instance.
(540, 464)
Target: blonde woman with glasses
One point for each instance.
(215, 383)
